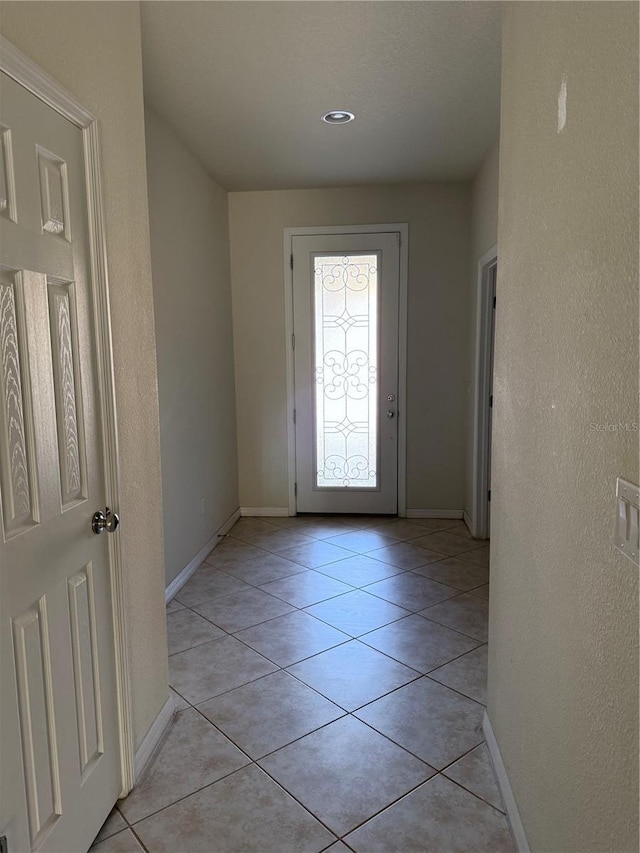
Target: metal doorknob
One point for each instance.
(106, 520)
(391, 414)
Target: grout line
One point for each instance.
(473, 793)
(348, 638)
(344, 631)
(351, 712)
(251, 762)
(413, 790)
(399, 745)
(138, 839)
(443, 625)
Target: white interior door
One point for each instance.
(345, 314)
(60, 767)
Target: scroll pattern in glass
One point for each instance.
(346, 371)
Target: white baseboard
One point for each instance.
(513, 815)
(259, 511)
(467, 520)
(434, 513)
(153, 738)
(180, 579)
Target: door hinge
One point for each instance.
(294, 416)
(291, 261)
(494, 299)
(489, 495)
(293, 341)
(491, 401)
(295, 489)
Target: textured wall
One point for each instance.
(484, 235)
(189, 225)
(563, 669)
(93, 49)
(438, 217)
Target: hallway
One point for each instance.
(330, 680)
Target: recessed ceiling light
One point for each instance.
(338, 117)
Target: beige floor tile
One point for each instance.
(306, 588)
(455, 572)
(481, 591)
(186, 629)
(480, 556)
(337, 773)
(208, 582)
(359, 570)
(399, 528)
(114, 823)
(460, 529)
(242, 609)
(180, 703)
(433, 525)
(291, 638)
(363, 522)
(474, 772)
(357, 612)
(419, 643)
(323, 529)
(232, 552)
(193, 754)
(173, 606)
(280, 539)
(466, 674)
(269, 713)
(245, 527)
(411, 591)
(352, 674)
(122, 842)
(316, 553)
(270, 567)
(277, 520)
(447, 543)
(466, 613)
(245, 813)
(361, 541)
(404, 555)
(438, 816)
(209, 670)
(294, 522)
(431, 721)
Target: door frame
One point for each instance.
(481, 404)
(33, 78)
(289, 233)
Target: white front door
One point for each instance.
(345, 314)
(60, 758)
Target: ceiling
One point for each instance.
(244, 84)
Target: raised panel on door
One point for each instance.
(60, 773)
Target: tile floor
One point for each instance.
(329, 675)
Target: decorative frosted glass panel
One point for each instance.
(346, 371)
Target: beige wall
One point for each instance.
(563, 669)
(189, 224)
(484, 236)
(438, 217)
(93, 49)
